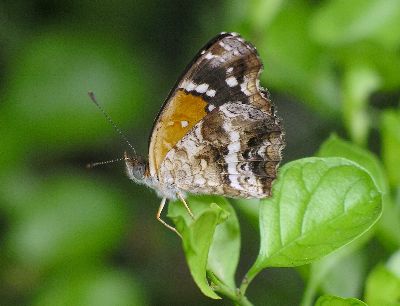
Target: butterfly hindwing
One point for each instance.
(234, 151)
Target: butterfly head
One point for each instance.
(136, 168)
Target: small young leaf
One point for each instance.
(226, 241)
(382, 288)
(329, 300)
(208, 239)
(319, 205)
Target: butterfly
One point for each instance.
(217, 131)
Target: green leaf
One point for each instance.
(295, 63)
(358, 84)
(346, 276)
(393, 264)
(343, 22)
(383, 287)
(63, 219)
(319, 205)
(329, 300)
(208, 239)
(226, 241)
(382, 61)
(391, 145)
(47, 104)
(339, 273)
(335, 146)
(90, 285)
(250, 209)
(389, 225)
(263, 13)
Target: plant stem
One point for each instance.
(250, 275)
(235, 295)
(309, 293)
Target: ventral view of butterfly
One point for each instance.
(217, 132)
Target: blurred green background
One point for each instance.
(72, 236)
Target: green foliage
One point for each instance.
(197, 236)
(319, 206)
(91, 287)
(389, 225)
(327, 300)
(383, 287)
(75, 217)
(73, 237)
(391, 145)
(342, 22)
(337, 147)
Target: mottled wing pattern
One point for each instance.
(225, 70)
(234, 151)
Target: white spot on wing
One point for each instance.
(243, 86)
(234, 182)
(210, 107)
(190, 86)
(197, 132)
(234, 147)
(225, 46)
(211, 93)
(234, 136)
(199, 180)
(231, 81)
(231, 158)
(232, 168)
(203, 164)
(261, 151)
(202, 88)
(209, 55)
(184, 123)
(229, 70)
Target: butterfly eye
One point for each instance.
(138, 171)
(135, 168)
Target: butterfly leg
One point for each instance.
(186, 205)
(164, 201)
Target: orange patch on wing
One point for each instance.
(179, 116)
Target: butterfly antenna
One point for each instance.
(92, 165)
(93, 98)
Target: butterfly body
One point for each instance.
(217, 132)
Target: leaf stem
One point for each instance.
(309, 293)
(247, 279)
(235, 295)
